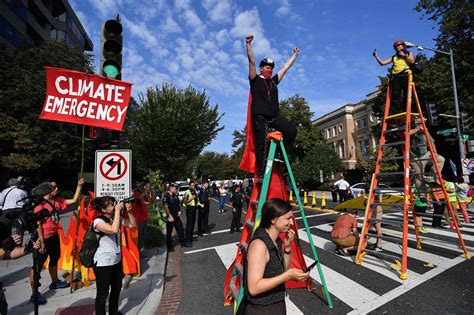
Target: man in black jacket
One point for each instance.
(173, 210)
(203, 213)
(237, 202)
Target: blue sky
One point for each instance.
(202, 43)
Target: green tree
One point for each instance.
(320, 157)
(170, 127)
(297, 111)
(28, 144)
(455, 21)
(208, 165)
(367, 165)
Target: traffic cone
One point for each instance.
(305, 199)
(313, 203)
(291, 195)
(323, 201)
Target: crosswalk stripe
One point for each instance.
(447, 232)
(412, 252)
(451, 233)
(430, 241)
(378, 265)
(407, 286)
(345, 289)
(226, 253)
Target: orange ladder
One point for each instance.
(404, 131)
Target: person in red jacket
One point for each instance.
(141, 194)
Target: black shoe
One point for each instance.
(170, 250)
(238, 231)
(188, 245)
(231, 232)
(200, 234)
(195, 238)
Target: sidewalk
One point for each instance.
(142, 296)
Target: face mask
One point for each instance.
(267, 73)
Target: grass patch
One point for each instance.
(155, 235)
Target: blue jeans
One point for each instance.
(222, 203)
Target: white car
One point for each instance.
(359, 189)
(181, 190)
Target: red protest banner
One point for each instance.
(85, 99)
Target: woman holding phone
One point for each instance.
(108, 258)
(267, 267)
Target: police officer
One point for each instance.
(203, 214)
(173, 210)
(191, 200)
(237, 202)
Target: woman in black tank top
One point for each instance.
(267, 266)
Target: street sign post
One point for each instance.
(113, 173)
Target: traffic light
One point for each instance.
(432, 114)
(466, 122)
(111, 49)
(111, 61)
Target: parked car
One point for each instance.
(181, 190)
(359, 189)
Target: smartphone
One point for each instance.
(308, 269)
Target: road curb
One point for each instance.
(172, 286)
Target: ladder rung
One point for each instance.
(385, 221)
(392, 158)
(391, 173)
(385, 190)
(419, 160)
(395, 129)
(396, 205)
(239, 268)
(376, 253)
(234, 290)
(249, 224)
(385, 237)
(427, 173)
(429, 215)
(244, 246)
(391, 144)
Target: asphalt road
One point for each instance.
(374, 287)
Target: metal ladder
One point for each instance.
(404, 131)
(233, 288)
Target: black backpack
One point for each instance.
(90, 243)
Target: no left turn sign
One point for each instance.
(113, 166)
(112, 173)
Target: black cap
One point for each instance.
(267, 62)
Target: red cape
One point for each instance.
(248, 162)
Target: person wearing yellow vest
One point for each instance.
(191, 201)
(451, 190)
(398, 74)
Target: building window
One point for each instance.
(341, 152)
(364, 123)
(371, 118)
(327, 134)
(340, 128)
(334, 132)
(357, 124)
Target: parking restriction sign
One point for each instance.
(112, 173)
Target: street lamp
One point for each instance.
(456, 104)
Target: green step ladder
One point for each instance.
(261, 200)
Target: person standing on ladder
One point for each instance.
(265, 108)
(398, 74)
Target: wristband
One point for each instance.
(287, 252)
